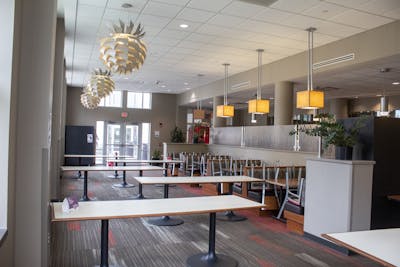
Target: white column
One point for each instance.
(283, 104)
(36, 22)
(56, 123)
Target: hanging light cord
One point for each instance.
(226, 85)
(310, 58)
(259, 73)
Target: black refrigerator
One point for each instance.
(79, 140)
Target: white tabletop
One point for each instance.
(103, 210)
(95, 156)
(111, 168)
(195, 179)
(144, 161)
(379, 245)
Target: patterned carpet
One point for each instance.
(256, 242)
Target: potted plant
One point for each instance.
(177, 135)
(334, 133)
(156, 156)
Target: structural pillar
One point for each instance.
(283, 104)
(217, 121)
(339, 107)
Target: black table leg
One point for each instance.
(140, 195)
(211, 259)
(85, 186)
(124, 184)
(116, 175)
(104, 243)
(230, 216)
(165, 220)
(79, 172)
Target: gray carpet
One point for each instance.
(256, 242)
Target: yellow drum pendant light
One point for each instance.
(225, 110)
(258, 105)
(310, 99)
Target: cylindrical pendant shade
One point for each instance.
(310, 99)
(259, 106)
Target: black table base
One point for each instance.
(165, 221)
(85, 187)
(124, 184)
(230, 216)
(204, 260)
(211, 259)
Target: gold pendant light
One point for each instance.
(225, 110)
(101, 82)
(310, 99)
(259, 105)
(124, 51)
(89, 98)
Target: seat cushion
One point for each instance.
(294, 208)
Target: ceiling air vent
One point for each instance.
(241, 85)
(333, 61)
(265, 3)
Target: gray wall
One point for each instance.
(162, 116)
(372, 104)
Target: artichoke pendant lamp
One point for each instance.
(259, 105)
(310, 99)
(89, 98)
(124, 51)
(225, 110)
(101, 82)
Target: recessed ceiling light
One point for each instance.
(355, 97)
(395, 83)
(184, 26)
(186, 83)
(126, 5)
(163, 86)
(126, 78)
(188, 88)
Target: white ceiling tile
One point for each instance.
(100, 3)
(137, 5)
(175, 25)
(294, 6)
(153, 20)
(337, 30)
(360, 19)
(209, 5)
(174, 2)
(272, 15)
(211, 29)
(324, 10)
(226, 20)
(167, 33)
(242, 9)
(380, 7)
(161, 9)
(164, 41)
(302, 22)
(195, 15)
(201, 38)
(395, 14)
(347, 3)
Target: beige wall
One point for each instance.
(162, 116)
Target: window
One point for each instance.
(112, 100)
(138, 100)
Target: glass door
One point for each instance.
(126, 139)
